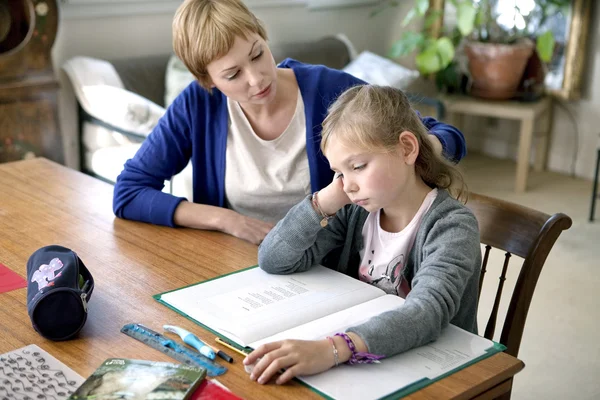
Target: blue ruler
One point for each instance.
(173, 349)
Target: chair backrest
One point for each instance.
(524, 232)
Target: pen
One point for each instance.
(224, 343)
(192, 340)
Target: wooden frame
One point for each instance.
(575, 51)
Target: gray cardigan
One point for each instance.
(442, 268)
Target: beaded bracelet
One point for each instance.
(336, 358)
(359, 357)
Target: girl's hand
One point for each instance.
(297, 357)
(332, 197)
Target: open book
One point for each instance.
(251, 307)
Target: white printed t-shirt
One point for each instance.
(384, 255)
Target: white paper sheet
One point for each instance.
(30, 372)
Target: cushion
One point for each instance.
(378, 70)
(177, 78)
(122, 108)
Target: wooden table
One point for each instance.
(43, 203)
(527, 113)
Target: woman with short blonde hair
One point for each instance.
(204, 31)
(250, 128)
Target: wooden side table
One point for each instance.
(527, 113)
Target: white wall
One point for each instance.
(114, 37)
(499, 138)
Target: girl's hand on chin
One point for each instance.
(332, 197)
(297, 357)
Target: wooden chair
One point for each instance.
(524, 232)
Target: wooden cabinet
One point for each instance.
(28, 88)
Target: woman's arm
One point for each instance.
(166, 151)
(451, 139)
(202, 216)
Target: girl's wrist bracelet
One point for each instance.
(336, 358)
(317, 207)
(358, 357)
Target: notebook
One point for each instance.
(251, 307)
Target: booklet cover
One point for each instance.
(126, 379)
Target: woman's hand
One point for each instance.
(249, 229)
(202, 216)
(332, 197)
(297, 357)
(435, 143)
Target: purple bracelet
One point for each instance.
(359, 357)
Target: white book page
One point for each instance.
(454, 348)
(338, 322)
(253, 304)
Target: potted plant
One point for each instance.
(498, 42)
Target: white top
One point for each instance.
(384, 255)
(265, 178)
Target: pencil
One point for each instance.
(221, 353)
(224, 343)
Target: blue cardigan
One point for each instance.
(196, 126)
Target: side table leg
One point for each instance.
(541, 150)
(524, 152)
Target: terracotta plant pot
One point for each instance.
(496, 69)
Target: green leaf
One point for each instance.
(412, 13)
(445, 50)
(428, 61)
(465, 15)
(436, 56)
(408, 43)
(422, 6)
(545, 46)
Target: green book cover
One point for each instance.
(125, 379)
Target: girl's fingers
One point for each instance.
(287, 375)
(260, 352)
(266, 360)
(275, 366)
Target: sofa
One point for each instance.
(120, 101)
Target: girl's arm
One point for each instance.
(450, 267)
(298, 241)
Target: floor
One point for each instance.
(560, 345)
